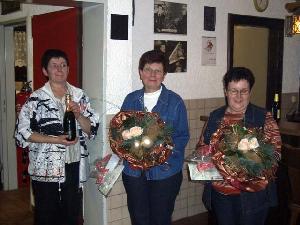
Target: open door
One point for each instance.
(259, 32)
(62, 30)
(8, 158)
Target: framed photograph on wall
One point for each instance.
(10, 7)
(209, 18)
(176, 52)
(209, 51)
(170, 17)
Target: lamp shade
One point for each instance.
(296, 24)
(292, 25)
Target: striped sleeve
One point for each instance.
(272, 134)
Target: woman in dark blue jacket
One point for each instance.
(231, 205)
(151, 193)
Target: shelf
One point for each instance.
(293, 6)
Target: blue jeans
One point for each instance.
(151, 202)
(228, 210)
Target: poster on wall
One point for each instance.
(170, 17)
(209, 51)
(176, 52)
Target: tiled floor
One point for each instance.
(15, 210)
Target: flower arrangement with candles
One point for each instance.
(241, 156)
(141, 138)
(244, 151)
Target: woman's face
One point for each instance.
(57, 70)
(152, 76)
(238, 96)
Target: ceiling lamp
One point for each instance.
(292, 23)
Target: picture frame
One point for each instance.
(175, 52)
(209, 18)
(10, 7)
(170, 17)
(209, 51)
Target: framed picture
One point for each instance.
(209, 18)
(176, 52)
(170, 17)
(209, 51)
(10, 7)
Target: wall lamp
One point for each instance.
(292, 25)
(292, 22)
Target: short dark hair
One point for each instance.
(53, 53)
(237, 74)
(154, 56)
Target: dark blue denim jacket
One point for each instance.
(251, 202)
(171, 109)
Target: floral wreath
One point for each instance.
(244, 158)
(141, 138)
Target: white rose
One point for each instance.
(253, 143)
(126, 135)
(244, 145)
(136, 131)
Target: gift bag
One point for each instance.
(106, 171)
(201, 166)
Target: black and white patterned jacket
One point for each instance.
(42, 113)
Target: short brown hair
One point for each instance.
(154, 56)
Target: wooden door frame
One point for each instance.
(275, 49)
(7, 107)
(71, 19)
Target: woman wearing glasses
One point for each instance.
(57, 166)
(231, 205)
(151, 193)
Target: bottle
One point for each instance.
(276, 108)
(69, 122)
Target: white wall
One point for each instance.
(92, 82)
(199, 81)
(119, 58)
(205, 81)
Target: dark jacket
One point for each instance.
(171, 109)
(251, 202)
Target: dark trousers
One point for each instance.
(151, 202)
(228, 210)
(54, 207)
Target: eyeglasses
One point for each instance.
(148, 70)
(58, 66)
(238, 92)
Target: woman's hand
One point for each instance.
(75, 107)
(62, 139)
(83, 121)
(41, 138)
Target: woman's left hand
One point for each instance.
(75, 107)
(83, 121)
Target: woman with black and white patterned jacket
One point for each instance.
(56, 166)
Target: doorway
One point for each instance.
(92, 73)
(268, 70)
(13, 74)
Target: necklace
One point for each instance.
(59, 91)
